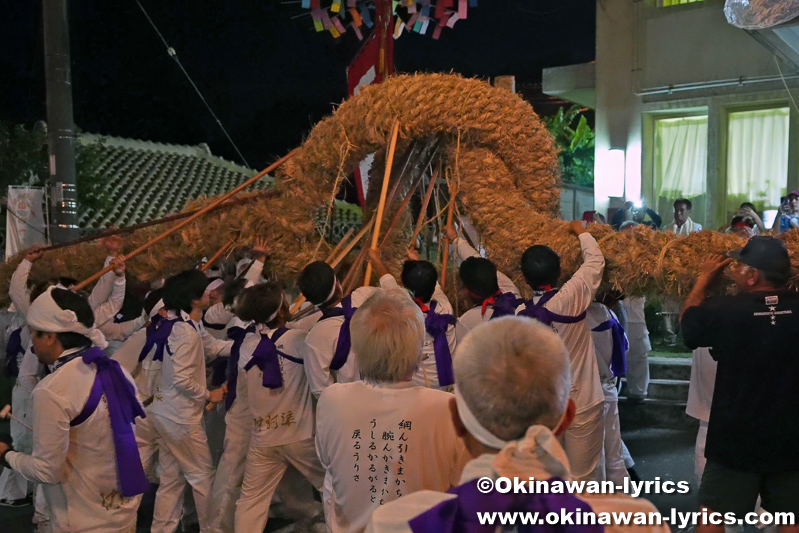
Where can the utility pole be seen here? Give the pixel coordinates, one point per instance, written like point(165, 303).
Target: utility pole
point(60, 124)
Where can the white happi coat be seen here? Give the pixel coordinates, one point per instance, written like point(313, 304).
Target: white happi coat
point(573, 298)
point(378, 442)
point(538, 455)
point(278, 416)
point(76, 465)
point(321, 341)
point(427, 374)
point(474, 317)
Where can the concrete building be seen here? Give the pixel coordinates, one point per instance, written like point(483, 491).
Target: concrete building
point(688, 105)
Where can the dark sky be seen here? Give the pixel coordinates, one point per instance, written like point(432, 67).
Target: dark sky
point(265, 72)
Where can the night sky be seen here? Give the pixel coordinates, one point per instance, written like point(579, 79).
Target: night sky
point(266, 73)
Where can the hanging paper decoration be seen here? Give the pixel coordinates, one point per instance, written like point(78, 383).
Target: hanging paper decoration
point(417, 16)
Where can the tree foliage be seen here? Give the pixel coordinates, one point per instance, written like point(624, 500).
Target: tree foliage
point(24, 161)
point(576, 143)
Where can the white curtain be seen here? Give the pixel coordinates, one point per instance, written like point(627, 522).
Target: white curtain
point(757, 156)
point(681, 157)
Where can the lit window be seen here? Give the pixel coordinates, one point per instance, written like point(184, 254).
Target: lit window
point(681, 164)
point(757, 158)
point(669, 3)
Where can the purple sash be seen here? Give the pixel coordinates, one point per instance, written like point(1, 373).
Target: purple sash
point(505, 304)
point(436, 325)
point(459, 515)
point(13, 349)
point(236, 334)
point(618, 359)
point(265, 358)
point(344, 342)
point(537, 311)
point(123, 409)
point(158, 333)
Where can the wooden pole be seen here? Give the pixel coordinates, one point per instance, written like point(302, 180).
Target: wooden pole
point(453, 193)
point(383, 192)
point(425, 203)
point(189, 220)
point(398, 214)
point(352, 275)
point(217, 255)
point(165, 220)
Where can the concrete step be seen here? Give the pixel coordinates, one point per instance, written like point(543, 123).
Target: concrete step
point(652, 413)
point(677, 368)
point(663, 389)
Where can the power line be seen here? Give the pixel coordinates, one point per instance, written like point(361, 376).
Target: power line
point(174, 55)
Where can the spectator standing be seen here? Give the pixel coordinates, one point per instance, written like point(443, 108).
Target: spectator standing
point(753, 428)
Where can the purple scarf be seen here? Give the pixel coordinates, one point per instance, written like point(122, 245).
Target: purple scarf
point(459, 515)
point(618, 359)
point(236, 334)
point(123, 409)
point(504, 304)
point(436, 325)
point(265, 358)
point(537, 311)
point(13, 349)
point(158, 333)
point(344, 342)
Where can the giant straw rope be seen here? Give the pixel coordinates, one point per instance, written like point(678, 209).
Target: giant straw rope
point(497, 150)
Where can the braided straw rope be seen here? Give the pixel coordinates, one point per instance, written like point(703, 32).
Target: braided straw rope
point(493, 143)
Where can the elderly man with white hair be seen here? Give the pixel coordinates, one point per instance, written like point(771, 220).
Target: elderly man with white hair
point(84, 451)
point(384, 437)
point(511, 402)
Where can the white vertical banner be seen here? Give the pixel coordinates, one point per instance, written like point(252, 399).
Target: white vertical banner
point(24, 219)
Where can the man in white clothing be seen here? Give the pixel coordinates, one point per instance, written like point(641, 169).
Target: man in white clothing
point(84, 452)
point(420, 279)
point(491, 293)
point(329, 357)
point(178, 405)
point(564, 309)
point(611, 345)
point(511, 402)
point(279, 402)
point(700, 398)
point(105, 300)
point(384, 437)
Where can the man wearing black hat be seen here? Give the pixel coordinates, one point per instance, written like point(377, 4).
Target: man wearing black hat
point(753, 427)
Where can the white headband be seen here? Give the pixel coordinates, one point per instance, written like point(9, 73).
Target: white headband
point(332, 291)
point(474, 427)
point(214, 285)
point(274, 315)
point(157, 307)
point(45, 315)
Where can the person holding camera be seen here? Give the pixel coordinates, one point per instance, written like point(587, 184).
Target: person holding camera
point(788, 214)
point(637, 215)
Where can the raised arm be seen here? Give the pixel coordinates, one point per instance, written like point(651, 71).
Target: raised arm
point(466, 251)
point(256, 270)
point(18, 289)
point(107, 310)
point(577, 294)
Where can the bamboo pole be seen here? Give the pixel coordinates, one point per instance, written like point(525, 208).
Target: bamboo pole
point(383, 192)
point(453, 193)
point(189, 220)
point(398, 214)
point(352, 275)
point(425, 203)
point(271, 193)
point(214, 258)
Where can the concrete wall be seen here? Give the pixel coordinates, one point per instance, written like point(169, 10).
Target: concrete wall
point(655, 62)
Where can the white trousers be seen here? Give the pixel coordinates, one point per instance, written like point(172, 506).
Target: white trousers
point(262, 473)
point(147, 442)
point(13, 486)
point(184, 456)
point(583, 443)
point(227, 481)
point(612, 459)
point(638, 360)
point(699, 453)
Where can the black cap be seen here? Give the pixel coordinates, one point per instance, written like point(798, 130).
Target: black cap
point(767, 254)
